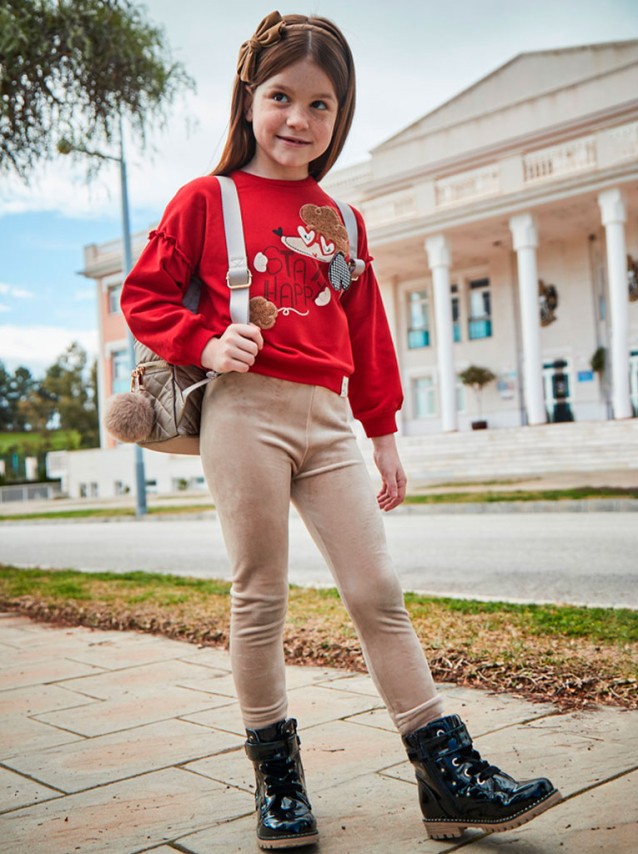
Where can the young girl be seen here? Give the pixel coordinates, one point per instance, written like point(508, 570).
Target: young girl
point(275, 424)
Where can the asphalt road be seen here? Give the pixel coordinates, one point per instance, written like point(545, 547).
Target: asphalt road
point(579, 558)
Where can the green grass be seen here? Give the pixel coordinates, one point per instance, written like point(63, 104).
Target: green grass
point(576, 494)
point(105, 512)
point(32, 443)
point(612, 625)
point(568, 655)
point(580, 494)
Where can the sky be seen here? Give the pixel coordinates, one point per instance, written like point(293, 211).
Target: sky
point(411, 56)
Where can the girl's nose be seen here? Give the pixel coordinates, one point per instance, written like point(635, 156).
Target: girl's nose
point(297, 117)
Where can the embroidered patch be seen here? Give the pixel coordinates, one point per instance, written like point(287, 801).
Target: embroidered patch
point(263, 313)
point(339, 274)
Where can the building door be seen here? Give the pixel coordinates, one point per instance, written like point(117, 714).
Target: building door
point(633, 380)
point(557, 388)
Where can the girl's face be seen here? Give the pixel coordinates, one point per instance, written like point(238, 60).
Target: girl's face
point(293, 115)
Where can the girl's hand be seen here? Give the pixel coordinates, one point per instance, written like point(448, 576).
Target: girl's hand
point(394, 481)
point(235, 350)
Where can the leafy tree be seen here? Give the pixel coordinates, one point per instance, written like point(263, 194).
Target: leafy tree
point(72, 68)
point(477, 378)
point(5, 410)
point(14, 388)
point(66, 399)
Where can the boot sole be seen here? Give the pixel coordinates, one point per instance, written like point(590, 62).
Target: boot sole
point(288, 842)
point(454, 829)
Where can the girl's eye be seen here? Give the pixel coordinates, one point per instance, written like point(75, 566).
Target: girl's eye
point(320, 105)
point(280, 97)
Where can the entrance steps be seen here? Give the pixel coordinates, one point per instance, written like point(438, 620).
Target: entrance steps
point(520, 452)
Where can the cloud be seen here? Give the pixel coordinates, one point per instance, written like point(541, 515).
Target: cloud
point(4, 307)
point(37, 347)
point(16, 293)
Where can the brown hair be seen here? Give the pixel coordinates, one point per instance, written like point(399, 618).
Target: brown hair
point(314, 38)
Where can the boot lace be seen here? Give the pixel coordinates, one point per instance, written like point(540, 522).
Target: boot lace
point(466, 755)
point(281, 777)
point(476, 766)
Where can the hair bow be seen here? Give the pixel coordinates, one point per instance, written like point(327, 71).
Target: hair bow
point(267, 33)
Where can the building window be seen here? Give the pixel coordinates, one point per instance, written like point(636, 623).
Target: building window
point(114, 294)
point(423, 397)
point(480, 319)
point(419, 320)
point(120, 371)
point(456, 314)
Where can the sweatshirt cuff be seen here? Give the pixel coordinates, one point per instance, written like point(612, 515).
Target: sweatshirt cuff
point(379, 425)
point(194, 346)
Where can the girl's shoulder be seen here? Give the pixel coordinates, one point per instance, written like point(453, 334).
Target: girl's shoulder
point(205, 187)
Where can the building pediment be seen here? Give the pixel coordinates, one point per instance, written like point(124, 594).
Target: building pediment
point(528, 77)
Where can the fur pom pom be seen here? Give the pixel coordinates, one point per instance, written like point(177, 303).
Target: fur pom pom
point(129, 417)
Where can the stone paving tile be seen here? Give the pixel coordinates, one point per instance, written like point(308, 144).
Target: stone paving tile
point(108, 758)
point(369, 814)
point(32, 633)
point(296, 677)
point(209, 656)
point(43, 672)
point(18, 791)
point(37, 654)
point(37, 699)
point(358, 683)
point(163, 849)
point(122, 817)
point(142, 680)
point(114, 656)
point(133, 710)
point(311, 705)
point(5, 650)
point(481, 712)
point(215, 682)
point(603, 820)
point(20, 735)
point(331, 752)
point(13, 639)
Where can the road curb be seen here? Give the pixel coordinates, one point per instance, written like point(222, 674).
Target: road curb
point(585, 505)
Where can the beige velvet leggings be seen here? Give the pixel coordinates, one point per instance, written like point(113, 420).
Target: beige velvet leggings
point(264, 443)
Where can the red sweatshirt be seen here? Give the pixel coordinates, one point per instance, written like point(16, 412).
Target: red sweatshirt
point(326, 332)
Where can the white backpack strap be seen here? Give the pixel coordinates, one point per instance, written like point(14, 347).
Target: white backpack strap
point(357, 266)
point(238, 277)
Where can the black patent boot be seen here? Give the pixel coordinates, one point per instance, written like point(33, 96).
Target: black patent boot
point(458, 789)
point(284, 817)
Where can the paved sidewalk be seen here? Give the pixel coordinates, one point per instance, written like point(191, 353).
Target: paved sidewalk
point(121, 742)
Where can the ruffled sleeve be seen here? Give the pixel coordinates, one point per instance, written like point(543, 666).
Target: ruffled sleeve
point(375, 391)
point(153, 293)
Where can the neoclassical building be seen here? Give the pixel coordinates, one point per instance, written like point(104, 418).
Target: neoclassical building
point(501, 224)
point(504, 226)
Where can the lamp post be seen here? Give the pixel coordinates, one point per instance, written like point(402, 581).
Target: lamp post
point(65, 147)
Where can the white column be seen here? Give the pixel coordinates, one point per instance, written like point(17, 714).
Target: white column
point(613, 215)
point(525, 243)
point(439, 260)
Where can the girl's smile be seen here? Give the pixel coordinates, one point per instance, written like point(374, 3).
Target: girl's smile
point(293, 115)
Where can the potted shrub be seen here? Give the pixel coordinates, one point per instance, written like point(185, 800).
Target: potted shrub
point(477, 378)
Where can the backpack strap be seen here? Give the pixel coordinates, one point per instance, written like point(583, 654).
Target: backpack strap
point(357, 265)
point(238, 277)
